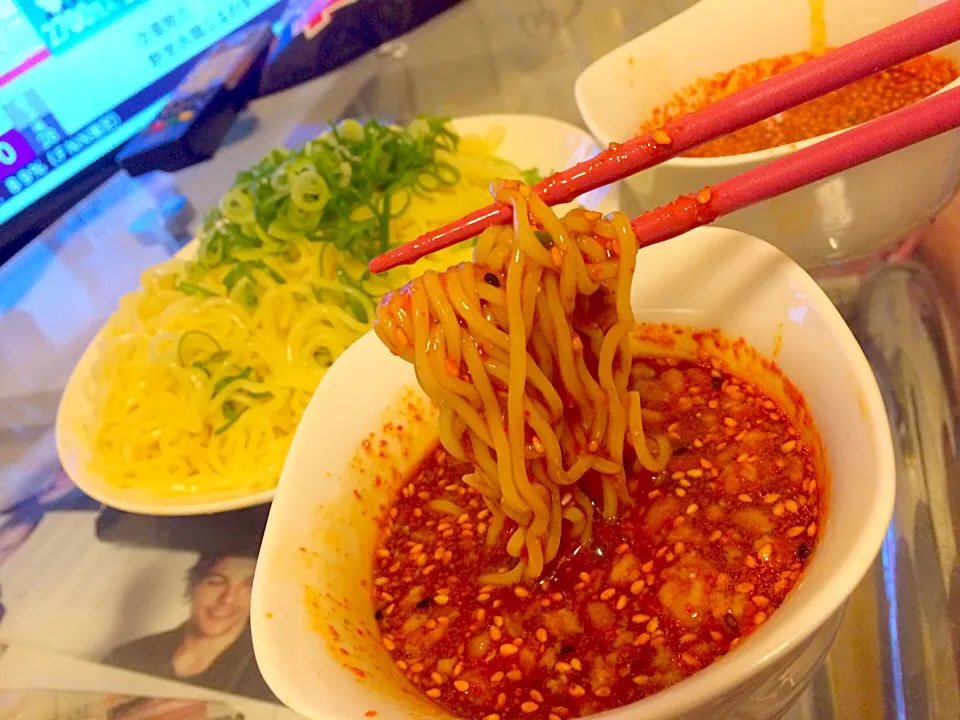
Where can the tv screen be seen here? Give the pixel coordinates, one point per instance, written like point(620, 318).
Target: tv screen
point(78, 78)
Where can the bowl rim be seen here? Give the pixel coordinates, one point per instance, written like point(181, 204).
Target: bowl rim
point(727, 673)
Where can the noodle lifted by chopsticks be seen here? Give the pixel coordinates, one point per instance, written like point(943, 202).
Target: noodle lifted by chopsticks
point(526, 353)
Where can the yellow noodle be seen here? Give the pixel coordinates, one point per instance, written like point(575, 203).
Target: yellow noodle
point(538, 413)
point(155, 423)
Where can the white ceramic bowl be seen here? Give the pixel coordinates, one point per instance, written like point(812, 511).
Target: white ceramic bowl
point(529, 141)
point(860, 212)
point(314, 572)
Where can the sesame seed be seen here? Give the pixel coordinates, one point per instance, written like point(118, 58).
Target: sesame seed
point(492, 716)
point(642, 639)
point(507, 650)
point(529, 707)
point(796, 530)
point(514, 675)
point(497, 676)
point(575, 664)
point(388, 644)
point(743, 497)
point(792, 506)
point(621, 602)
point(521, 592)
point(433, 692)
point(541, 635)
point(680, 492)
point(536, 696)
point(562, 667)
point(636, 587)
point(653, 625)
point(607, 594)
point(778, 510)
point(441, 599)
point(771, 498)
point(577, 691)
point(661, 137)
point(641, 679)
point(692, 508)
point(495, 633)
point(759, 618)
point(812, 529)
point(602, 691)
point(788, 446)
point(461, 685)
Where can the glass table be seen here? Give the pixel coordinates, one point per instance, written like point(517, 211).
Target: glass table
point(898, 651)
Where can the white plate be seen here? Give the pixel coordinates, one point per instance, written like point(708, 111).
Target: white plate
point(529, 141)
point(314, 569)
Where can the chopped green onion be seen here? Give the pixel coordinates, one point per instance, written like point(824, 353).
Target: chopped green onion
point(544, 238)
point(198, 342)
point(231, 413)
point(531, 176)
point(223, 382)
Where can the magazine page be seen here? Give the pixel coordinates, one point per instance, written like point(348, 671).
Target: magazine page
point(48, 705)
point(169, 597)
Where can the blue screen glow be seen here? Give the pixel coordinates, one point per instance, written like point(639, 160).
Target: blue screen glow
point(80, 77)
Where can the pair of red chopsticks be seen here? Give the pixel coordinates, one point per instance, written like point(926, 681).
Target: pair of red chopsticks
point(891, 46)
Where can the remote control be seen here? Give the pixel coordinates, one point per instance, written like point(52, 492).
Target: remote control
point(192, 125)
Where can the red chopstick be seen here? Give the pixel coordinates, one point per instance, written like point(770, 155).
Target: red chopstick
point(918, 34)
point(861, 144)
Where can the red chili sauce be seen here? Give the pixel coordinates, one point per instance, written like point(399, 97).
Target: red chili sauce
point(709, 549)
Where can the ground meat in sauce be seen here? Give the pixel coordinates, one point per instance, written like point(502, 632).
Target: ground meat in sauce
point(709, 549)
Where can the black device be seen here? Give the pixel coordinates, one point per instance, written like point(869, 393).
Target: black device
point(192, 125)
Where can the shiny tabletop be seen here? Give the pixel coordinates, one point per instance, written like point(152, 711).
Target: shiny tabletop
point(898, 652)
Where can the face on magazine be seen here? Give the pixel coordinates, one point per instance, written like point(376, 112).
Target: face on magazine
point(221, 598)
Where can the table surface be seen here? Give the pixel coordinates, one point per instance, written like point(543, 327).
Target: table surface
point(898, 653)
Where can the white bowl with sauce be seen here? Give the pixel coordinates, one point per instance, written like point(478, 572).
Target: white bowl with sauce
point(368, 424)
point(854, 215)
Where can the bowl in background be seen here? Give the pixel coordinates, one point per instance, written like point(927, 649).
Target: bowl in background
point(529, 141)
point(853, 215)
point(368, 424)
